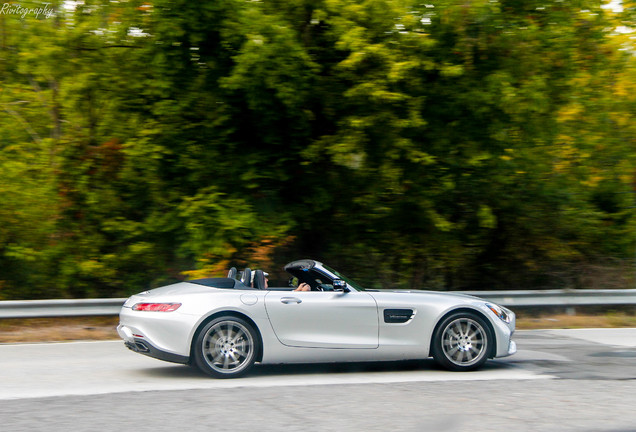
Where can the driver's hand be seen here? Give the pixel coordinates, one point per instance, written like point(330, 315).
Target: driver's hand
point(303, 287)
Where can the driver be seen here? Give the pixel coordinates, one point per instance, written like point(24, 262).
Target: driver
point(302, 287)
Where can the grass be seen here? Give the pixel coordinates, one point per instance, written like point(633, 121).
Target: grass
point(103, 328)
point(58, 329)
point(564, 321)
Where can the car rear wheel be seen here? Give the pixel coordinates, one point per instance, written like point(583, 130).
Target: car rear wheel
point(226, 347)
point(461, 342)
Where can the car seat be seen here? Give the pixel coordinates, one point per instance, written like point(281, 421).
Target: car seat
point(246, 277)
point(259, 279)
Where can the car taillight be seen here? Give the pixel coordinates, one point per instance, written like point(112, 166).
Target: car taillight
point(156, 307)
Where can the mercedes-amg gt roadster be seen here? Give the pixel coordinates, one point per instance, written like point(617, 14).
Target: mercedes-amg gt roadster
point(225, 325)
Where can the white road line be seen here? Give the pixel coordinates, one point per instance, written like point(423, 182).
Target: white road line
point(92, 368)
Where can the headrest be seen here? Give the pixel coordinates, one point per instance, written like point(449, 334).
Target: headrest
point(259, 279)
point(246, 278)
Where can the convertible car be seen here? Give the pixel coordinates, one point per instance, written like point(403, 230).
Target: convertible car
point(225, 325)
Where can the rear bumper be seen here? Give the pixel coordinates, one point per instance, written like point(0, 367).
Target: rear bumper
point(142, 346)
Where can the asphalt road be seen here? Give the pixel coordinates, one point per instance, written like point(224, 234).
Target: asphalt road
point(560, 380)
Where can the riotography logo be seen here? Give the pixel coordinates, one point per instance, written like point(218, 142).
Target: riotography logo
point(16, 9)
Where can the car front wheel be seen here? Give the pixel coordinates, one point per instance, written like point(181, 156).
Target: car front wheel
point(226, 347)
point(462, 342)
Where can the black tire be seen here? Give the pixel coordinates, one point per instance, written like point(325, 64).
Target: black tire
point(226, 347)
point(462, 342)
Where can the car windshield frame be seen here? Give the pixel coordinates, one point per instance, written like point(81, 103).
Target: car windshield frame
point(355, 285)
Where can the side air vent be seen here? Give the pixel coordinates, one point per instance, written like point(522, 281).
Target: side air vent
point(397, 316)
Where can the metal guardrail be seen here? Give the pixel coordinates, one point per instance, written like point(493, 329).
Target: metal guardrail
point(558, 298)
point(512, 299)
point(60, 308)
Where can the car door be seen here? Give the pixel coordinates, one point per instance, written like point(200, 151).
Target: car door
point(323, 319)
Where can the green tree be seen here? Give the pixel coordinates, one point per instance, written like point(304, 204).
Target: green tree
point(482, 144)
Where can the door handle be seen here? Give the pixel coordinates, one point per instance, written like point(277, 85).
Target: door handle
point(288, 300)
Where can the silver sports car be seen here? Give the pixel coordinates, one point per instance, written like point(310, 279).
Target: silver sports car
point(225, 325)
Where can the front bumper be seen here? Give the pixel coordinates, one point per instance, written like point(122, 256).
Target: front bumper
point(513, 348)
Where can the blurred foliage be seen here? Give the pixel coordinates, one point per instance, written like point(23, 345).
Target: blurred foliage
point(443, 144)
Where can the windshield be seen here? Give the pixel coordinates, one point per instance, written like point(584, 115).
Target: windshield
point(350, 282)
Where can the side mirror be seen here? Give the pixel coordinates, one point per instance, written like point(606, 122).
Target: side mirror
point(340, 285)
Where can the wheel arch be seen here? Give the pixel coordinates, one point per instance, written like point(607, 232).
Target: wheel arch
point(232, 313)
point(480, 314)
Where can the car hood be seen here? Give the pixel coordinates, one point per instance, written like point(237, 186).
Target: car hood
point(422, 292)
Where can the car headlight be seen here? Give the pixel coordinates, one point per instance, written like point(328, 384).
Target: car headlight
point(500, 312)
